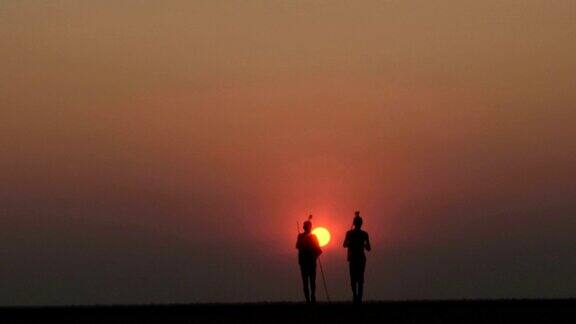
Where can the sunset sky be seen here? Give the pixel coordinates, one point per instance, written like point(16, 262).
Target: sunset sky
point(163, 151)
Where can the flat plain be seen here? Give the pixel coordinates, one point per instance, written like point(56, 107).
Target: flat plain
point(461, 311)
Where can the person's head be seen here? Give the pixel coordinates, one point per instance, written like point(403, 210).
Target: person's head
point(357, 222)
point(307, 226)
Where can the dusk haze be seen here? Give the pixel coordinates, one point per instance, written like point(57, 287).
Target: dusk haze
point(157, 152)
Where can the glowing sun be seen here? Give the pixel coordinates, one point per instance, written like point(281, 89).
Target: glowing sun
point(322, 234)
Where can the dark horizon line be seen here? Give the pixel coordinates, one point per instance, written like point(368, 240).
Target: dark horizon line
point(290, 303)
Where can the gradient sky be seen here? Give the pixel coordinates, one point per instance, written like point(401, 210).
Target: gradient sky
point(156, 152)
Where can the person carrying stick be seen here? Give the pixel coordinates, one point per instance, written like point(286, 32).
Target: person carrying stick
point(308, 252)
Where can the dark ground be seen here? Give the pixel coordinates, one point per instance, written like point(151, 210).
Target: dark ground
point(467, 311)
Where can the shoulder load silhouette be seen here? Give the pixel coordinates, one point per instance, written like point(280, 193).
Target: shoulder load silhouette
point(308, 251)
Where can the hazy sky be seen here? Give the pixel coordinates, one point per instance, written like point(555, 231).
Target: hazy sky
point(163, 151)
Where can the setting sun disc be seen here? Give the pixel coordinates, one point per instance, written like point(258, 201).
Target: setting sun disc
point(322, 234)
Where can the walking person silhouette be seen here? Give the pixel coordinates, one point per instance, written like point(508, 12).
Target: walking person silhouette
point(357, 241)
point(308, 251)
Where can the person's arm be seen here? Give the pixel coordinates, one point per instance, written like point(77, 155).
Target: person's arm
point(317, 248)
point(298, 243)
point(367, 243)
point(346, 240)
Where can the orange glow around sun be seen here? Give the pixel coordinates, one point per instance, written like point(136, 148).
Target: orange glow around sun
point(322, 234)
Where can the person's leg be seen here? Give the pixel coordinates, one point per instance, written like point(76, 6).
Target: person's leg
point(305, 283)
point(360, 292)
point(352, 280)
point(313, 284)
point(361, 268)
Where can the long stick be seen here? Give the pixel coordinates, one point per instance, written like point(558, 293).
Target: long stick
point(324, 280)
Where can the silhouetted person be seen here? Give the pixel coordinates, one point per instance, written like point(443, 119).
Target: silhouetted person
point(357, 241)
point(308, 252)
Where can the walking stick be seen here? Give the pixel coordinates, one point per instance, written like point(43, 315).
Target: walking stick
point(324, 280)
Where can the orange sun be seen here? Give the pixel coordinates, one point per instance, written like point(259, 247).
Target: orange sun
point(322, 234)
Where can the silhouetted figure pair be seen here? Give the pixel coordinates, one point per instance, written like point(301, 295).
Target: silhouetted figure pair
point(308, 251)
point(357, 241)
